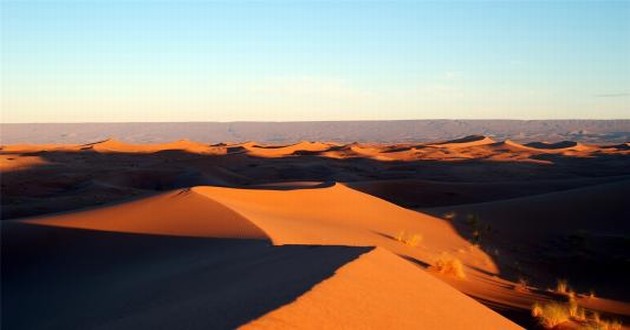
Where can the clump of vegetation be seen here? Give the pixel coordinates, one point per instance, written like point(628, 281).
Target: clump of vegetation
point(562, 287)
point(412, 240)
point(575, 311)
point(449, 265)
point(595, 317)
point(596, 323)
point(551, 314)
point(615, 325)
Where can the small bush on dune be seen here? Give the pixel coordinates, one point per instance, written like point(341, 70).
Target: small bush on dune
point(562, 287)
point(412, 240)
point(595, 317)
point(537, 310)
point(551, 314)
point(602, 325)
point(575, 311)
point(615, 325)
point(449, 265)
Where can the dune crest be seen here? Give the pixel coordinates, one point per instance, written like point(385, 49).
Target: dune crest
point(303, 147)
point(468, 141)
point(177, 213)
point(313, 216)
point(394, 294)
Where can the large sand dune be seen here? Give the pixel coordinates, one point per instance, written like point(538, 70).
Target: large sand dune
point(316, 216)
point(308, 235)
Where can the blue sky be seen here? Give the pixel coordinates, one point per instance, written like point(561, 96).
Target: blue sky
point(80, 61)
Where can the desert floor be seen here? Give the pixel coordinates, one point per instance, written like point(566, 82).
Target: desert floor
point(462, 234)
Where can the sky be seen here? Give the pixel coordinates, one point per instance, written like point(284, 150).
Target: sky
point(121, 61)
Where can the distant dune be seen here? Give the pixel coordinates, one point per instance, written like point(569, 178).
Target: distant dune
point(312, 234)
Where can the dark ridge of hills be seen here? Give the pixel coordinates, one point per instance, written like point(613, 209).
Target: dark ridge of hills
point(523, 131)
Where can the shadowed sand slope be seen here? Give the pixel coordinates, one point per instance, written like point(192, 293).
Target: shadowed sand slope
point(330, 215)
point(338, 215)
point(468, 141)
point(381, 291)
point(179, 213)
point(61, 278)
point(257, 239)
point(578, 234)
point(558, 212)
point(282, 151)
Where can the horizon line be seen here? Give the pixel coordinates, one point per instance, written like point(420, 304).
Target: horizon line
point(315, 121)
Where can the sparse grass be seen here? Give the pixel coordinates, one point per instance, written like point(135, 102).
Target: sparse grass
point(595, 317)
point(615, 325)
point(449, 265)
point(562, 287)
point(601, 325)
point(551, 314)
point(575, 311)
point(412, 240)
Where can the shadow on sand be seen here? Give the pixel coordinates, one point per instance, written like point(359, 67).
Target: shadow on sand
point(60, 278)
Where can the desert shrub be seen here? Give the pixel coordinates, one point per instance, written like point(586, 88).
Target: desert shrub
point(537, 309)
point(449, 265)
point(595, 317)
point(412, 240)
point(575, 311)
point(615, 325)
point(551, 314)
point(562, 287)
point(601, 325)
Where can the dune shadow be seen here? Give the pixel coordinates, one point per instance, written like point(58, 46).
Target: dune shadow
point(60, 278)
point(69, 180)
point(289, 185)
point(415, 261)
point(520, 316)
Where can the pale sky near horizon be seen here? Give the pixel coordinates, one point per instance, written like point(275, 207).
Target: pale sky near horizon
point(118, 61)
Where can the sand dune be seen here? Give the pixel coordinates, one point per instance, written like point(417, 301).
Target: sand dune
point(468, 141)
point(556, 226)
point(555, 146)
point(113, 145)
point(188, 225)
point(328, 216)
point(179, 213)
point(63, 278)
point(570, 210)
point(288, 150)
point(381, 291)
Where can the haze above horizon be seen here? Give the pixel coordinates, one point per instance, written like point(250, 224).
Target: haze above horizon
point(119, 61)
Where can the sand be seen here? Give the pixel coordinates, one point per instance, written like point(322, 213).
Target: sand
point(308, 235)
